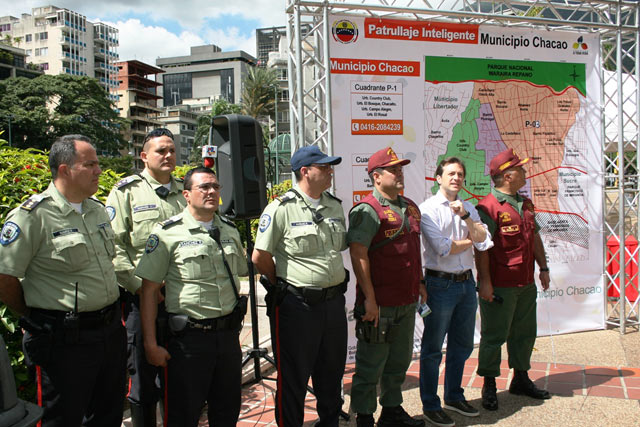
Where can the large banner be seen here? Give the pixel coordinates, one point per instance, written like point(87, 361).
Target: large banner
point(431, 90)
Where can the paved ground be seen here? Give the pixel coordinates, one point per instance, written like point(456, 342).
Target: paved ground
point(594, 378)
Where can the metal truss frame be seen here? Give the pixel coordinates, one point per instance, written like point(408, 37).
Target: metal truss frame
point(617, 22)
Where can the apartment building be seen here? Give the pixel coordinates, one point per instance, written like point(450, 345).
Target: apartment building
point(62, 41)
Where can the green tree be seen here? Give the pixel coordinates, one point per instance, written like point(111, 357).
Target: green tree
point(47, 107)
point(221, 106)
point(119, 164)
point(258, 94)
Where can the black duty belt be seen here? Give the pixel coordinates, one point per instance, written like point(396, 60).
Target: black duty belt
point(313, 295)
point(216, 324)
point(87, 319)
point(456, 277)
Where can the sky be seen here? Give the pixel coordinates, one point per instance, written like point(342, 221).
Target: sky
point(164, 28)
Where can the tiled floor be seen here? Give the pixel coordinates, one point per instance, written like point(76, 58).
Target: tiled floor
point(559, 379)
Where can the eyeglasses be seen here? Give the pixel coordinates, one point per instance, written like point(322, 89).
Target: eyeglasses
point(158, 132)
point(205, 188)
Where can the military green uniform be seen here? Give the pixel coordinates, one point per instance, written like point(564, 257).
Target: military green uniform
point(135, 208)
point(206, 360)
point(386, 362)
point(310, 338)
point(514, 321)
point(80, 362)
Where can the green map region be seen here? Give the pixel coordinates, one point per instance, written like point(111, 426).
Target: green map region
point(557, 75)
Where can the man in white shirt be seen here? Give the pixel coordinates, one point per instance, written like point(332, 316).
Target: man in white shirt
point(450, 227)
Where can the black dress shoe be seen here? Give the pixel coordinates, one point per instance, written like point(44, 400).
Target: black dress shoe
point(397, 417)
point(489, 398)
point(522, 385)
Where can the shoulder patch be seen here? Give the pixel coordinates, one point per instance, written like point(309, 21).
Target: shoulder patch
point(332, 196)
point(289, 195)
point(172, 220)
point(265, 222)
point(227, 221)
point(111, 211)
point(33, 201)
point(9, 233)
point(152, 243)
point(126, 181)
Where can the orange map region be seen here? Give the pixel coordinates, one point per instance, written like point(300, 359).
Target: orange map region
point(534, 121)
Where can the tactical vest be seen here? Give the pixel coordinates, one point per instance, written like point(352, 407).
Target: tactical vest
point(395, 266)
point(511, 258)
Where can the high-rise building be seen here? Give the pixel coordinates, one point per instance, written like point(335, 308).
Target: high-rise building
point(206, 73)
point(61, 41)
point(138, 102)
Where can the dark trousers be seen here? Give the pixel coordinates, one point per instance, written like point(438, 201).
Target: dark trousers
point(513, 322)
point(81, 383)
point(309, 342)
point(144, 378)
point(205, 366)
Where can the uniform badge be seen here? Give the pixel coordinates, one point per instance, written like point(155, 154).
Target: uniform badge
point(9, 233)
point(510, 228)
point(505, 217)
point(152, 243)
point(391, 215)
point(111, 211)
point(265, 222)
point(414, 212)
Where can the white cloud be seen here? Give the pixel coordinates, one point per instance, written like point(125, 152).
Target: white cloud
point(231, 39)
point(146, 43)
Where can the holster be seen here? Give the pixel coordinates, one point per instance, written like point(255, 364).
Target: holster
point(177, 323)
point(38, 341)
point(275, 293)
point(368, 332)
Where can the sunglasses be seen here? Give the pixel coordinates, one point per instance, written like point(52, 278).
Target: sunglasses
point(158, 132)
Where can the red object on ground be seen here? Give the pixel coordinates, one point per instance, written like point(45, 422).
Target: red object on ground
point(631, 268)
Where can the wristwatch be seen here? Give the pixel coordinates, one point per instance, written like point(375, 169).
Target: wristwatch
point(544, 269)
point(465, 216)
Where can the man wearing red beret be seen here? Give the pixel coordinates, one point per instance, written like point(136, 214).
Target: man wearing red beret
point(506, 271)
point(384, 243)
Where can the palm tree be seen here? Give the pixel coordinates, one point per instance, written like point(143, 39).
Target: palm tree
point(258, 98)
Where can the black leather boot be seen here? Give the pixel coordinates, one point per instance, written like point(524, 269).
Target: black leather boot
point(143, 415)
point(522, 385)
point(489, 398)
point(364, 420)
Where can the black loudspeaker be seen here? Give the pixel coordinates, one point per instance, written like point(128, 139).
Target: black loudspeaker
point(240, 165)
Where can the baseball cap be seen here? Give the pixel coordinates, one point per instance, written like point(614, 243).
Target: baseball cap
point(384, 158)
point(505, 160)
point(306, 156)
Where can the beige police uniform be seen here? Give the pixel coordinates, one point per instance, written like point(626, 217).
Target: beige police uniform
point(305, 253)
point(309, 339)
point(206, 360)
point(135, 209)
point(51, 246)
point(80, 358)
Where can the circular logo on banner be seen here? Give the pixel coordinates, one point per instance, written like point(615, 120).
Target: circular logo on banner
point(265, 221)
point(152, 243)
point(9, 233)
point(344, 31)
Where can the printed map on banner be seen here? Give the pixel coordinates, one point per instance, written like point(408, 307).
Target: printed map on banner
point(475, 108)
